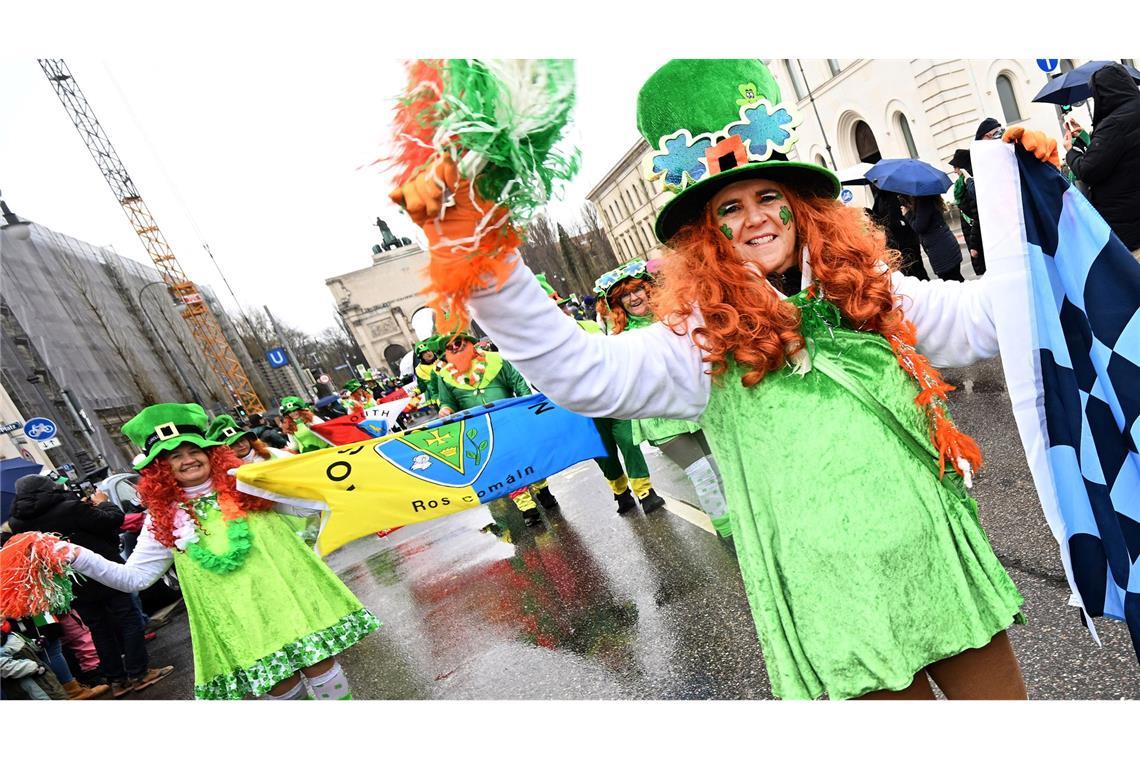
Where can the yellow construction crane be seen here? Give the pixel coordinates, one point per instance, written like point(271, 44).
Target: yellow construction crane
point(217, 350)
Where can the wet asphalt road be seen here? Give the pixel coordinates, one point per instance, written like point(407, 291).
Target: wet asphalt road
point(598, 606)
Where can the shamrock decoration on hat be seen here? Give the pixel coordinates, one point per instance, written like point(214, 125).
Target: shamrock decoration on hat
point(715, 122)
point(165, 427)
point(635, 268)
point(224, 429)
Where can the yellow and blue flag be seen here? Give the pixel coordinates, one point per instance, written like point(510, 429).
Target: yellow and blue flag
point(442, 468)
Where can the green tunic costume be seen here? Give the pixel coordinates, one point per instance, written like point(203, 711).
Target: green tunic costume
point(852, 599)
point(282, 610)
point(500, 380)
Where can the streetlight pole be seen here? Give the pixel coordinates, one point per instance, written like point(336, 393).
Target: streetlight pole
point(177, 367)
point(818, 120)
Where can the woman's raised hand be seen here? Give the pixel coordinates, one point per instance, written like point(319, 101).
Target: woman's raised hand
point(1036, 142)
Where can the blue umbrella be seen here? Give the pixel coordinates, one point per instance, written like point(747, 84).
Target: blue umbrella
point(1073, 86)
point(908, 176)
point(12, 470)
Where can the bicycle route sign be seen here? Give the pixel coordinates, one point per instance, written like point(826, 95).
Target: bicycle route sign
point(40, 429)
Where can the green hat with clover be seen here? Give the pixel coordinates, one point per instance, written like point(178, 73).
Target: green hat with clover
point(630, 269)
point(292, 404)
point(224, 429)
point(165, 427)
point(712, 122)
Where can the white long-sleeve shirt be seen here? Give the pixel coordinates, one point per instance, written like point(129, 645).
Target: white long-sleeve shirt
point(654, 372)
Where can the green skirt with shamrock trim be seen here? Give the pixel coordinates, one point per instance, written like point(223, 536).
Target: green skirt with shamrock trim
point(282, 610)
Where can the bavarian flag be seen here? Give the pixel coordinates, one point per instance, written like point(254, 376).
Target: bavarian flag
point(1066, 309)
point(442, 468)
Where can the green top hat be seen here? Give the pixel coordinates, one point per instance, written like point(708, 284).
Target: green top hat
point(292, 404)
point(635, 268)
point(165, 427)
point(353, 385)
point(715, 122)
point(224, 429)
point(445, 339)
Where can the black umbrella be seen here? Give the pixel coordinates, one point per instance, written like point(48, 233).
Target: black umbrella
point(1073, 86)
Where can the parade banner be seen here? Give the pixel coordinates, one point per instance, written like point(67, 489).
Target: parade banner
point(1067, 312)
point(361, 424)
point(445, 467)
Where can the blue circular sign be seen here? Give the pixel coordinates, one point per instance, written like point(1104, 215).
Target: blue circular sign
point(1047, 64)
point(846, 196)
point(40, 429)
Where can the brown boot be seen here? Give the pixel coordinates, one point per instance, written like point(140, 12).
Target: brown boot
point(154, 675)
point(75, 690)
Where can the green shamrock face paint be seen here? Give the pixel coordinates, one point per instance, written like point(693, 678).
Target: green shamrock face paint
point(722, 211)
point(785, 215)
point(726, 231)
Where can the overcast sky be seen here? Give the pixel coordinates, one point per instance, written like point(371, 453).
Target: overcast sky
point(262, 157)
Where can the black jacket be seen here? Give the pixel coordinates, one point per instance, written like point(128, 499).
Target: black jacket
point(900, 236)
point(41, 505)
point(971, 230)
point(939, 242)
point(1110, 166)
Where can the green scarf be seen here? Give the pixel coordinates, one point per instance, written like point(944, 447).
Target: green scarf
point(960, 195)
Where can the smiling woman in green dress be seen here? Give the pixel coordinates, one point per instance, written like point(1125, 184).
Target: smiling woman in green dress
point(788, 334)
point(266, 615)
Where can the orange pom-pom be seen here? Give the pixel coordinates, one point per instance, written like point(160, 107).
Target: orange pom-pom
point(34, 576)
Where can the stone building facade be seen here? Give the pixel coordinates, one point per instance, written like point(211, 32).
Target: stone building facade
point(377, 303)
point(868, 109)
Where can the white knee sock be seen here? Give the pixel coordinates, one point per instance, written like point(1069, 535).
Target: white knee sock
point(297, 692)
point(331, 684)
point(705, 481)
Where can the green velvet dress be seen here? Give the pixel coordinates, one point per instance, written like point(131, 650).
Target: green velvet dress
point(860, 566)
point(282, 610)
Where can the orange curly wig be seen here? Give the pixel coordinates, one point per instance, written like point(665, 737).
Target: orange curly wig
point(289, 425)
point(610, 308)
point(747, 321)
point(162, 496)
point(745, 318)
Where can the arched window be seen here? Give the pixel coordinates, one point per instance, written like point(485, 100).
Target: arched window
point(1008, 100)
point(798, 83)
point(819, 159)
point(865, 143)
point(908, 138)
point(833, 64)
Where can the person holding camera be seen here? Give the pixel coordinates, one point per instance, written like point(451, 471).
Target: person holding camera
point(1109, 163)
point(116, 627)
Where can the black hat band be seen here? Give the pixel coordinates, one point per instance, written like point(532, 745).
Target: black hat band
point(168, 430)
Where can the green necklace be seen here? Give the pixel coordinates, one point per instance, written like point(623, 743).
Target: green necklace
point(237, 534)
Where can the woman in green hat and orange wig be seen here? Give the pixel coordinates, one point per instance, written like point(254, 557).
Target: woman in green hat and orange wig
point(266, 615)
point(624, 302)
point(296, 417)
point(788, 335)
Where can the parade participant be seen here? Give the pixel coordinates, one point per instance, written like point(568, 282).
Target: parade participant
point(864, 562)
point(266, 615)
point(624, 295)
point(358, 396)
point(427, 362)
point(470, 377)
point(296, 417)
point(617, 436)
point(244, 443)
point(249, 448)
